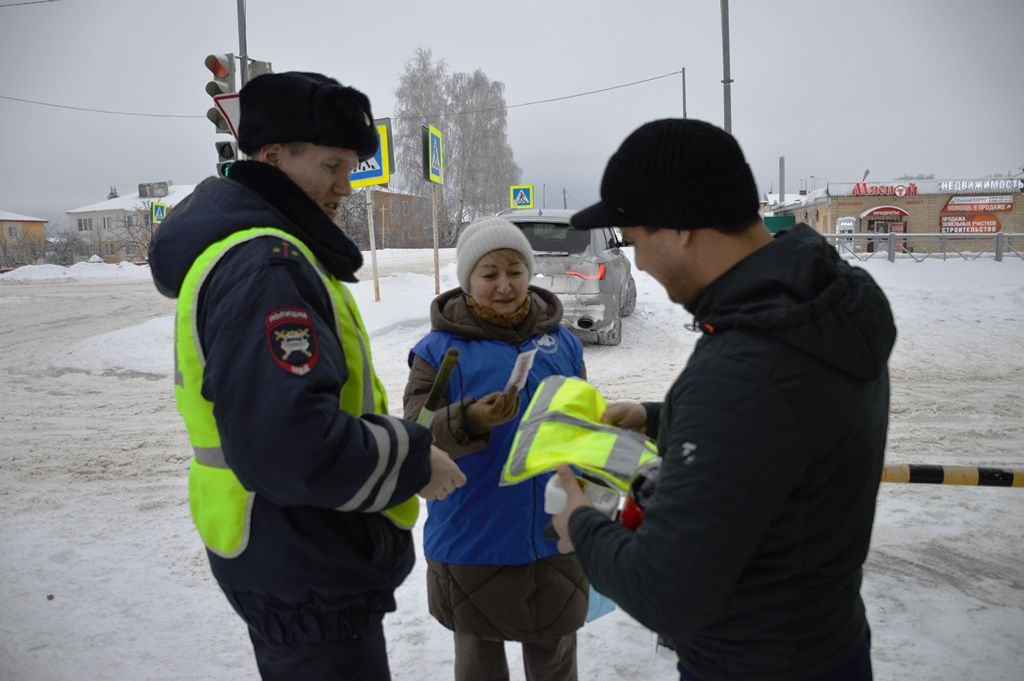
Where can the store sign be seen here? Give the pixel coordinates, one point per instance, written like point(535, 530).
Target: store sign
point(992, 185)
point(986, 185)
point(978, 204)
point(866, 189)
point(885, 212)
point(975, 223)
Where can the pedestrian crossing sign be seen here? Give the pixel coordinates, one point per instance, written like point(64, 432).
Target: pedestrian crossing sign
point(376, 169)
point(159, 212)
point(520, 196)
point(433, 155)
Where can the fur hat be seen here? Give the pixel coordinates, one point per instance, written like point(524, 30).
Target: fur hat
point(677, 173)
point(277, 108)
point(486, 235)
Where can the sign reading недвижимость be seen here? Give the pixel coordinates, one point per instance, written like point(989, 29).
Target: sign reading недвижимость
point(916, 187)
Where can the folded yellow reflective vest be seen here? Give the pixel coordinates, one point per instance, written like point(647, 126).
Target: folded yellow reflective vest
point(562, 425)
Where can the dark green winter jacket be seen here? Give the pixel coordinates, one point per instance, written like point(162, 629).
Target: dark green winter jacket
point(749, 557)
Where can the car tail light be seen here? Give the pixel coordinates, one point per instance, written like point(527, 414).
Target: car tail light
point(588, 275)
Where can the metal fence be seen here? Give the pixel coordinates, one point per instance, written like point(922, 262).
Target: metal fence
point(920, 246)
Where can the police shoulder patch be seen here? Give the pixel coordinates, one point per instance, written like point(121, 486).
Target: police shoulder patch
point(291, 339)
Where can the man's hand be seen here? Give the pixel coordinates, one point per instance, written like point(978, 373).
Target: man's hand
point(626, 415)
point(445, 476)
point(494, 409)
point(574, 498)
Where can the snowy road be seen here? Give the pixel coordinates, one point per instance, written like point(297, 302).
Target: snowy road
point(93, 508)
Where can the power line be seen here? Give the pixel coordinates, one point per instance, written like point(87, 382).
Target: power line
point(105, 111)
point(545, 101)
point(456, 113)
point(34, 2)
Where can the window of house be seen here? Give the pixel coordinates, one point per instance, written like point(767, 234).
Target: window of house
point(108, 223)
point(110, 249)
point(130, 250)
point(12, 230)
point(84, 224)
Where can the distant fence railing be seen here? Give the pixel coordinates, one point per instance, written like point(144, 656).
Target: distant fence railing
point(922, 245)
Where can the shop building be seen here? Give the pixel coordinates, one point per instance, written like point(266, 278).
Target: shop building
point(963, 210)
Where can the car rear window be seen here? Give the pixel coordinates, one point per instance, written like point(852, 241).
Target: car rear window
point(548, 237)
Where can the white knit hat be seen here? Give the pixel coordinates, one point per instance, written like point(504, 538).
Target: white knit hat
point(486, 235)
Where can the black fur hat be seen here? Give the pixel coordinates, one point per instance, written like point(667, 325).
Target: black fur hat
point(295, 106)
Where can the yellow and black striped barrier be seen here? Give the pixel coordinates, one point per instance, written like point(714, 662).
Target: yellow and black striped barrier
point(953, 475)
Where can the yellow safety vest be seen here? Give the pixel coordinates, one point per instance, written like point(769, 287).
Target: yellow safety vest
point(562, 425)
point(221, 506)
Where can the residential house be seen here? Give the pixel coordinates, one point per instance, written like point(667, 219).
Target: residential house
point(22, 239)
point(121, 227)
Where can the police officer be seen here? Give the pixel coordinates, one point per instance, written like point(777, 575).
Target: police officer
point(301, 486)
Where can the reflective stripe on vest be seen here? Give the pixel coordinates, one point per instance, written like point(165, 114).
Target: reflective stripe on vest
point(221, 507)
point(561, 425)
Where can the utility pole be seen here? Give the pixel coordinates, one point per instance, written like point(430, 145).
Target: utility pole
point(782, 180)
point(684, 92)
point(726, 80)
point(243, 56)
point(565, 201)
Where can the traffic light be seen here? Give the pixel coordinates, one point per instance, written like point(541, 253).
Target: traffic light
point(227, 153)
point(222, 66)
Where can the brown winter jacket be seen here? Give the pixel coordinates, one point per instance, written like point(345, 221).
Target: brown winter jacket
point(541, 600)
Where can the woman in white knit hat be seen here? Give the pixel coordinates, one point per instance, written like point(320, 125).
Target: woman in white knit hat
point(492, 575)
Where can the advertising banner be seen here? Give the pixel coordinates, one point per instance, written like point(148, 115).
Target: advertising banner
point(969, 223)
point(978, 204)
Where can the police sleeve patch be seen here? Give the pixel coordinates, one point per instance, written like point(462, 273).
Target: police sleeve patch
point(291, 339)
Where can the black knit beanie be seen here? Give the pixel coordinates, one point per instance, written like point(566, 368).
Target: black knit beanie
point(295, 106)
point(674, 173)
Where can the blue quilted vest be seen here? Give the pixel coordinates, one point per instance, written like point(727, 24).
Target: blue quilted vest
point(482, 523)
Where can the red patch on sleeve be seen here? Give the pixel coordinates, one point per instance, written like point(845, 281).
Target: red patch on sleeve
point(291, 339)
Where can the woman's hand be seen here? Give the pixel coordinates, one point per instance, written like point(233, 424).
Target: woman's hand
point(493, 410)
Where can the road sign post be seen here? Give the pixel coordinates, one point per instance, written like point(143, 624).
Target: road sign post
point(433, 172)
point(375, 170)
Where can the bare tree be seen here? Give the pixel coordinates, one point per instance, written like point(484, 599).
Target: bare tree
point(471, 112)
point(63, 246)
point(351, 218)
point(134, 231)
point(420, 100)
point(478, 156)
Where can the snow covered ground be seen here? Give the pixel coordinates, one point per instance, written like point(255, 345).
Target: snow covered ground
point(102, 576)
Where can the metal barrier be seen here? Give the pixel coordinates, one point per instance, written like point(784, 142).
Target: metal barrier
point(953, 475)
point(922, 245)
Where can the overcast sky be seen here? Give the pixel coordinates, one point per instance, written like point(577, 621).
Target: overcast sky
point(835, 87)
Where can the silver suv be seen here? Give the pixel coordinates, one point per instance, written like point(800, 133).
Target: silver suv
point(586, 269)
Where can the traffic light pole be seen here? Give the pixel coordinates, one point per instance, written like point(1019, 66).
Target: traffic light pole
point(243, 55)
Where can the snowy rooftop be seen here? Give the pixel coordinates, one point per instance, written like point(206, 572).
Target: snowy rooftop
point(175, 193)
point(7, 216)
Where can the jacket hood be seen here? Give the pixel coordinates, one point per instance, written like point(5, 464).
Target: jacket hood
point(451, 313)
point(799, 291)
point(255, 195)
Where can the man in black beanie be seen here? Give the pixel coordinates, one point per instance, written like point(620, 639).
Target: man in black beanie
point(772, 438)
point(302, 488)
